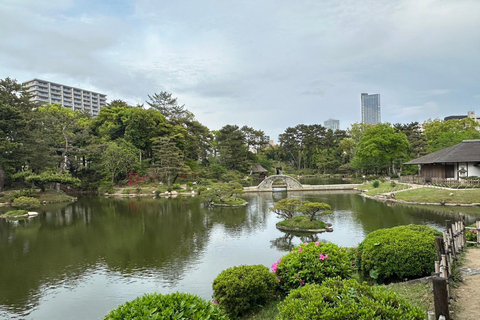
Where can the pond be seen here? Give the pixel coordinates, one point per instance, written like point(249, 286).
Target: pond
point(80, 260)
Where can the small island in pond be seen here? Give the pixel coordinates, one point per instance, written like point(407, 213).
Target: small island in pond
point(301, 215)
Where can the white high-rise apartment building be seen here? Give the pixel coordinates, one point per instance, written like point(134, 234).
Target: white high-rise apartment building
point(70, 97)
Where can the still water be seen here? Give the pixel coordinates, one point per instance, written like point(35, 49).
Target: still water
point(80, 260)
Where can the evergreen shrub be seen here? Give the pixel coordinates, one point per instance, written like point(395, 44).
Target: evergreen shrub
point(398, 253)
point(24, 193)
point(25, 203)
point(170, 306)
point(240, 289)
point(337, 299)
point(312, 263)
point(376, 184)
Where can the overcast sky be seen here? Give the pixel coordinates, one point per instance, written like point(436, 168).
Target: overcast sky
point(266, 64)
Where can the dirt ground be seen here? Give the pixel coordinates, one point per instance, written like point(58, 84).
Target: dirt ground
point(467, 295)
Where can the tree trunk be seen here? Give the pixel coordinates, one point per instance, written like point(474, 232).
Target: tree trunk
point(2, 177)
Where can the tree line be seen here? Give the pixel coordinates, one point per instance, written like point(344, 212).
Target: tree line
point(42, 144)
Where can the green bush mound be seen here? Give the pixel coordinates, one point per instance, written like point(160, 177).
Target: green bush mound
point(312, 263)
point(347, 300)
point(240, 289)
point(25, 203)
point(302, 222)
point(15, 213)
point(170, 306)
point(24, 193)
point(398, 253)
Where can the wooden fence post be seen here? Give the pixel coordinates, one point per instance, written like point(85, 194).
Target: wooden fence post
point(440, 297)
point(478, 233)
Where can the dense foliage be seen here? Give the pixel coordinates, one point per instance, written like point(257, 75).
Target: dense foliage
point(240, 289)
point(345, 300)
point(166, 142)
point(312, 263)
point(398, 253)
point(25, 203)
point(170, 306)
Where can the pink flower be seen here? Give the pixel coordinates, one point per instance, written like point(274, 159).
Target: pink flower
point(321, 257)
point(300, 249)
point(316, 243)
point(306, 243)
point(302, 282)
point(278, 278)
point(326, 256)
point(215, 302)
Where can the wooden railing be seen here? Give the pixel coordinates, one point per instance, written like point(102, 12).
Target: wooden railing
point(448, 248)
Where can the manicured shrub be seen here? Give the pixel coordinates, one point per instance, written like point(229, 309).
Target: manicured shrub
point(24, 193)
point(312, 263)
point(25, 203)
point(170, 306)
point(240, 289)
point(376, 184)
point(398, 253)
point(347, 300)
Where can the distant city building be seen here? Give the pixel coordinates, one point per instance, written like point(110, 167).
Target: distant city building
point(470, 114)
point(332, 124)
point(73, 98)
point(370, 108)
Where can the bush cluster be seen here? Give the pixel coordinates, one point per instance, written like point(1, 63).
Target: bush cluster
point(376, 184)
point(25, 203)
point(170, 306)
point(240, 289)
point(398, 253)
point(312, 263)
point(471, 234)
point(347, 300)
point(24, 193)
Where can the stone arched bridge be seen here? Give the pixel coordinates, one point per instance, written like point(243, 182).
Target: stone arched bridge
point(291, 183)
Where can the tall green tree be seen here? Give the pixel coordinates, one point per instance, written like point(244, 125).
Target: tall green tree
point(232, 147)
point(118, 159)
point(168, 159)
point(169, 108)
point(15, 110)
point(442, 134)
point(415, 136)
point(380, 149)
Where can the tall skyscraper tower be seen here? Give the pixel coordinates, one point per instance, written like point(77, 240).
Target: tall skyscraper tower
point(370, 108)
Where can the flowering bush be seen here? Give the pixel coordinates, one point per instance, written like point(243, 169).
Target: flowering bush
point(311, 263)
point(398, 253)
point(471, 234)
point(347, 300)
point(169, 306)
point(240, 289)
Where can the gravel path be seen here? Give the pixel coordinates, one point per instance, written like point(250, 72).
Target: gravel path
point(467, 295)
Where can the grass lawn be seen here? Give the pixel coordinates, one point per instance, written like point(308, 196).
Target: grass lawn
point(384, 187)
point(53, 196)
point(435, 195)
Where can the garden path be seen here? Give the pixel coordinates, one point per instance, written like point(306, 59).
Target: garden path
point(467, 295)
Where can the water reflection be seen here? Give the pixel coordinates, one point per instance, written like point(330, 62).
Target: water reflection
point(101, 252)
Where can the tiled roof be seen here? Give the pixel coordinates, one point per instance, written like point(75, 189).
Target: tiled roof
point(466, 151)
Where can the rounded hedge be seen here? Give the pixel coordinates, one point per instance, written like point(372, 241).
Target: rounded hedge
point(347, 300)
point(312, 263)
point(25, 203)
point(170, 306)
point(398, 253)
point(240, 289)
